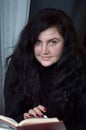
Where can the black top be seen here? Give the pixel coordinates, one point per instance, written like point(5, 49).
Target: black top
point(73, 114)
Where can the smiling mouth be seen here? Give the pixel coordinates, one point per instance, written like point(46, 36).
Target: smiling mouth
point(45, 58)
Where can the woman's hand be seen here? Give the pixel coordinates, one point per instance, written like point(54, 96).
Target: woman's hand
point(35, 112)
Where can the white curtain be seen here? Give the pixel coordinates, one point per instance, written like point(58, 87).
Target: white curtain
point(13, 17)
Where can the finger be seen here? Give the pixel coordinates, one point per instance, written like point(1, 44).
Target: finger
point(33, 113)
point(26, 116)
point(39, 113)
point(42, 108)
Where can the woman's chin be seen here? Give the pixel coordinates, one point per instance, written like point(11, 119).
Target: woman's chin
point(46, 64)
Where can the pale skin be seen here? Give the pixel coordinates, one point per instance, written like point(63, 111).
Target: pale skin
point(47, 50)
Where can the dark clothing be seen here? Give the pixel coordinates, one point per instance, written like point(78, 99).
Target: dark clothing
point(60, 103)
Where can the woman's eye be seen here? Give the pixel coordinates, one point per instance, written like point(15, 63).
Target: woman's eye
point(53, 42)
point(37, 43)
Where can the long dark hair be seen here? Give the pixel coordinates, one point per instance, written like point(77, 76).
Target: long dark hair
point(22, 74)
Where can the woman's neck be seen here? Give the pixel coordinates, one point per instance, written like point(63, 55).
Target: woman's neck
point(49, 68)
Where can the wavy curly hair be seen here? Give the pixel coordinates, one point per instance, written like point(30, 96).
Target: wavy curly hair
point(22, 76)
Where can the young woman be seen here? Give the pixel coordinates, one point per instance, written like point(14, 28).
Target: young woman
point(45, 74)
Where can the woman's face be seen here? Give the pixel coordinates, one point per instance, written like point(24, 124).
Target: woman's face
point(49, 47)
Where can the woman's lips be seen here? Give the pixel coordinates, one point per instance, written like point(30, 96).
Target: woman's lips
point(45, 58)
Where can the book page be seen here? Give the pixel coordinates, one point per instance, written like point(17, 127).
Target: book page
point(5, 127)
point(38, 121)
point(8, 121)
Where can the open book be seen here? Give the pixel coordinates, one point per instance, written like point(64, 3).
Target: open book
point(34, 123)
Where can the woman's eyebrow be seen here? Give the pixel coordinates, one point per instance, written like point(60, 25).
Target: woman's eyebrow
point(53, 39)
point(49, 39)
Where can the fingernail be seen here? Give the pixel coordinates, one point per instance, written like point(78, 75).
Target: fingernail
point(37, 115)
point(30, 114)
point(42, 115)
point(45, 109)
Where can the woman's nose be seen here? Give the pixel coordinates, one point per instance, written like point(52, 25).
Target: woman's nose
point(44, 49)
